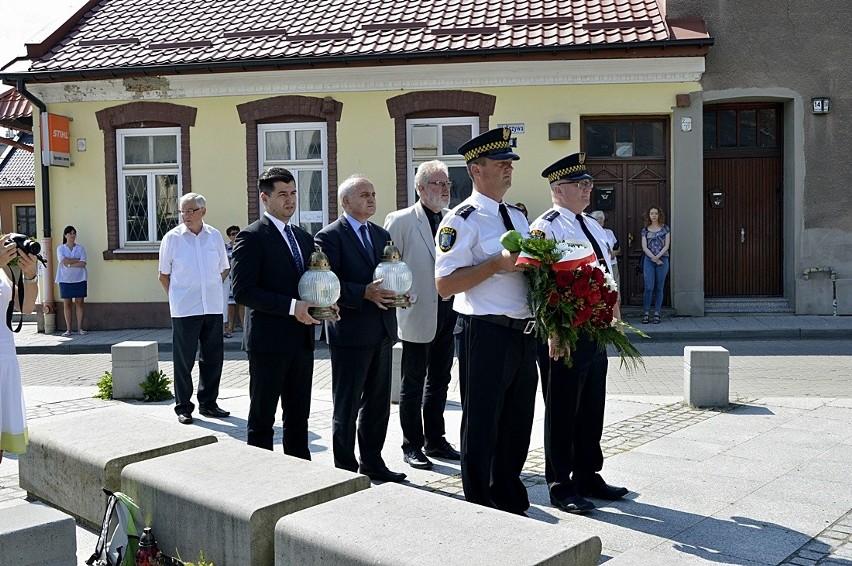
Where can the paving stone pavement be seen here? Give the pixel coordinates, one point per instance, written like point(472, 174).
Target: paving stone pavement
point(711, 485)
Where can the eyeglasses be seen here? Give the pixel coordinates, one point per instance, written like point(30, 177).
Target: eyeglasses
point(584, 184)
point(442, 184)
point(189, 211)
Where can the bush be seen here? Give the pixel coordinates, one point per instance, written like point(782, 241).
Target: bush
point(105, 387)
point(157, 387)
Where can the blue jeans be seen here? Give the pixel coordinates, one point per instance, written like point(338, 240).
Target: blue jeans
point(655, 281)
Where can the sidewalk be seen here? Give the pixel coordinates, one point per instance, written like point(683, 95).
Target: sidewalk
point(764, 482)
point(671, 329)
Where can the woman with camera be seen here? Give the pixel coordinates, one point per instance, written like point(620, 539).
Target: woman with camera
point(71, 276)
point(13, 420)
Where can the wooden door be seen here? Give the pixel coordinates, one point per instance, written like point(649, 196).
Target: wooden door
point(743, 206)
point(633, 180)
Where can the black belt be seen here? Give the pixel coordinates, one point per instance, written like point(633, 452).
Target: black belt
point(526, 325)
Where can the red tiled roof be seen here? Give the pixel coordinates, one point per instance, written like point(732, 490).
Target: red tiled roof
point(13, 106)
point(134, 33)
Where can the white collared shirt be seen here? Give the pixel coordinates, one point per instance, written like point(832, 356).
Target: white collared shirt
point(475, 239)
point(194, 264)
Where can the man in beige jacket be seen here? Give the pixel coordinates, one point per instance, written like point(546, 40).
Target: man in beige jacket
point(426, 327)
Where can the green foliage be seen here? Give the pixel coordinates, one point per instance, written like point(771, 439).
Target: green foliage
point(157, 387)
point(105, 387)
point(201, 561)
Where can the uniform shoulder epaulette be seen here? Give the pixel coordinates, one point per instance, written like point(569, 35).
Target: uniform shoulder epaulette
point(551, 216)
point(465, 211)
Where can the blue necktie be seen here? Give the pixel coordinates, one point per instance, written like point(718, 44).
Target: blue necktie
point(365, 239)
point(294, 247)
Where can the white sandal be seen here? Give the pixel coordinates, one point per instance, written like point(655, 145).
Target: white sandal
point(67, 333)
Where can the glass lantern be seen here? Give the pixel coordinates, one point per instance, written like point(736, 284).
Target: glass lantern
point(396, 275)
point(320, 285)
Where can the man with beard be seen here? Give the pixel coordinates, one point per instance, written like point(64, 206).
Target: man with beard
point(426, 327)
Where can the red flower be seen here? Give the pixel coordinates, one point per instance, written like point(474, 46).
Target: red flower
point(553, 299)
point(594, 296)
point(581, 287)
point(610, 298)
point(598, 276)
point(581, 316)
point(564, 278)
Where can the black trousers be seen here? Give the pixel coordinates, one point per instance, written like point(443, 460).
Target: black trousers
point(360, 389)
point(574, 413)
point(274, 377)
point(497, 413)
point(425, 379)
point(191, 334)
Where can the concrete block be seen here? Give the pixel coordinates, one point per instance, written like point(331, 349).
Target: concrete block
point(706, 379)
point(70, 458)
point(224, 499)
point(396, 372)
point(33, 534)
point(132, 361)
point(397, 525)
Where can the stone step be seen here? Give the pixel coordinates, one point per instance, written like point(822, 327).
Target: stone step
point(752, 305)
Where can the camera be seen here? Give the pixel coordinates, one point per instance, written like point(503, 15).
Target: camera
point(24, 243)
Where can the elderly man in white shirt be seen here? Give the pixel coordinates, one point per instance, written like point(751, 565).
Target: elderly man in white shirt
point(193, 264)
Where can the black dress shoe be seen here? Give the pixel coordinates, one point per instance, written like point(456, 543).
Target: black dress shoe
point(442, 449)
point(572, 504)
point(599, 489)
point(185, 418)
point(214, 411)
point(383, 475)
point(416, 459)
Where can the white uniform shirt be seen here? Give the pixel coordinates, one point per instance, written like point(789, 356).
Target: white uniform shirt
point(475, 239)
point(565, 226)
point(194, 264)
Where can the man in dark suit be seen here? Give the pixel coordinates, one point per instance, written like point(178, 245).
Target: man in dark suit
point(360, 342)
point(270, 256)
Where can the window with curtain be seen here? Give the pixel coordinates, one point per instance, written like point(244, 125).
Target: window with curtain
point(149, 184)
point(302, 148)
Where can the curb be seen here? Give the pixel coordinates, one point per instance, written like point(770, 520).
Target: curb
point(655, 337)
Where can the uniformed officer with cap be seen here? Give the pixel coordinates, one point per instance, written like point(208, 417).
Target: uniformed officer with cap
point(497, 354)
point(575, 396)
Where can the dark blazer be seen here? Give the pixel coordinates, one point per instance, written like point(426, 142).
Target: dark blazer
point(266, 280)
point(361, 323)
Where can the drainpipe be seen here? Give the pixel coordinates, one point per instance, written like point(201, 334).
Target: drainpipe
point(806, 273)
point(47, 303)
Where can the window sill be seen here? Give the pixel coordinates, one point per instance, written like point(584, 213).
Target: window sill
point(132, 254)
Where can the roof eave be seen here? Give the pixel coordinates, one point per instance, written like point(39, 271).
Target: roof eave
point(690, 47)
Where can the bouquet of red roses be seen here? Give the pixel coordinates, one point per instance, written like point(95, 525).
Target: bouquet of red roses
point(570, 293)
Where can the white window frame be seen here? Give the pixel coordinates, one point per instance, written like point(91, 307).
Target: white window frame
point(296, 165)
point(452, 160)
point(149, 170)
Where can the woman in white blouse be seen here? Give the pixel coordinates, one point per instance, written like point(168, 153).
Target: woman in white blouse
point(72, 277)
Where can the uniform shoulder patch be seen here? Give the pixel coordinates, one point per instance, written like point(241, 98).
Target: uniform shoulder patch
point(465, 211)
point(538, 234)
point(446, 238)
point(551, 216)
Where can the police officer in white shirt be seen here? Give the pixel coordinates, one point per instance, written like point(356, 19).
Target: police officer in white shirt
point(193, 265)
point(575, 396)
point(497, 355)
